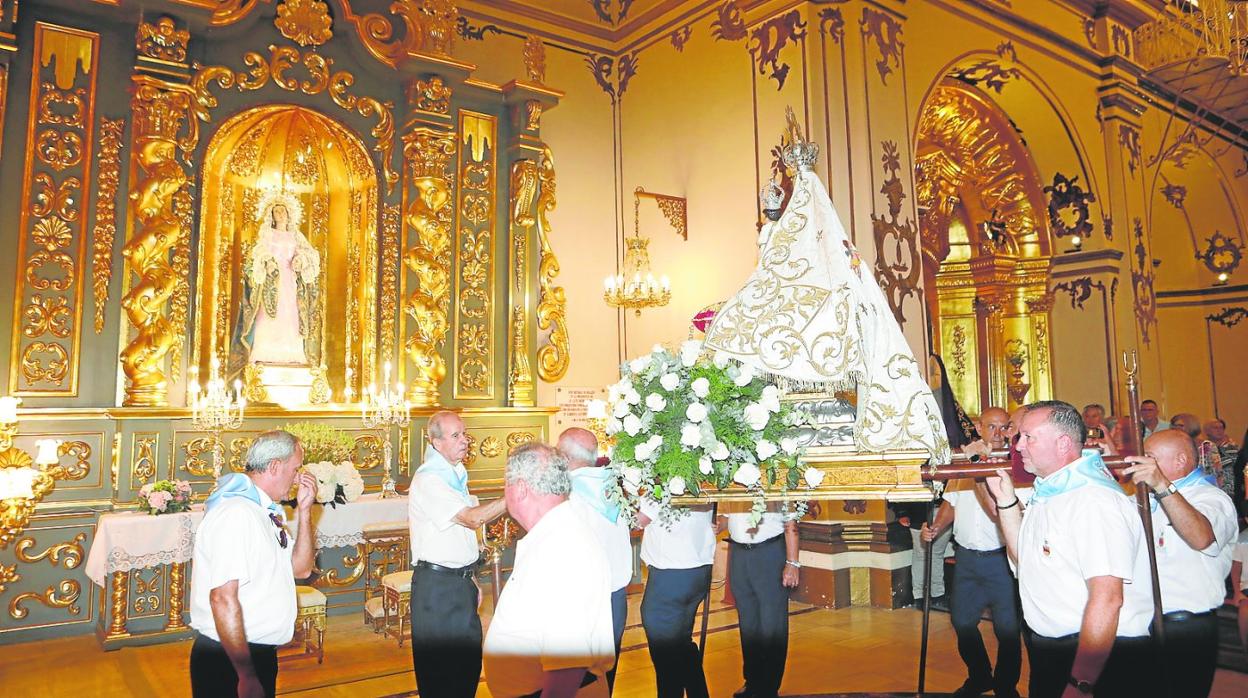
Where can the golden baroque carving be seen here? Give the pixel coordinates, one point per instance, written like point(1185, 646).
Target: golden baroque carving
point(427, 152)
point(68, 554)
point(516, 438)
point(162, 40)
point(143, 467)
point(552, 358)
point(353, 569)
point(180, 302)
point(119, 584)
point(8, 575)
point(429, 28)
point(64, 595)
point(80, 452)
point(320, 78)
point(159, 109)
point(532, 115)
point(177, 582)
point(305, 22)
point(193, 449)
point(896, 239)
point(535, 59)
point(253, 384)
point(520, 378)
point(474, 374)
point(524, 185)
point(105, 231)
point(390, 226)
point(430, 94)
point(491, 447)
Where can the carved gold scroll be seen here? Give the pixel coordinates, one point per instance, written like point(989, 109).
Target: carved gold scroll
point(474, 282)
point(552, 307)
point(159, 109)
point(524, 184)
point(47, 312)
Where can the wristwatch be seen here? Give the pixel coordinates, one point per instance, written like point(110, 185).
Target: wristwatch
point(794, 564)
point(1162, 494)
point(1084, 687)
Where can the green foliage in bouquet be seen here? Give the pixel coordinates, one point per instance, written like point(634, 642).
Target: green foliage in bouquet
point(683, 424)
point(321, 442)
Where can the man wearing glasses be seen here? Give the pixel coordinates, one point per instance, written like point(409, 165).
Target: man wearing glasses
point(243, 602)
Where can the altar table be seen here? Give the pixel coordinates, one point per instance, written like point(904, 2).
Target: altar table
point(155, 550)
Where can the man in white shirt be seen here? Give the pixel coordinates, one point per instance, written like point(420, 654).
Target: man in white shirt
point(1194, 528)
point(763, 567)
point(1081, 562)
point(553, 621)
point(590, 484)
point(679, 553)
point(443, 519)
point(1150, 418)
point(981, 573)
point(243, 575)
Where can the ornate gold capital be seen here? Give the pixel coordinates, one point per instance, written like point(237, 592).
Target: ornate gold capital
point(430, 94)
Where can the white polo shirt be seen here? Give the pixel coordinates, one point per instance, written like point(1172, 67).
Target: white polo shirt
point(1195, 580)
point(614, 539)
point(972, 528)
point(683, 544)
point(770, 526)
point(555, 610)
point(1067, 539)
point(238, 540)
point(431, 508)
point(1241, 556)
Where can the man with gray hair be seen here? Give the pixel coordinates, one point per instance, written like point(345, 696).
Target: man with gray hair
point(243, 578)
point(553, 621)
point(590, 488)
point(443, 519)
point(1081, 563)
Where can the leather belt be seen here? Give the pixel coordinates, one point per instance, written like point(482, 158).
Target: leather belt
point(1180, 616)
point(982, 553)
point(466, 572)
point(750, 546)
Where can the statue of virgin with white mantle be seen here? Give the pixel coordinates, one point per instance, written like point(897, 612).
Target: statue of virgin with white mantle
point(279, 316)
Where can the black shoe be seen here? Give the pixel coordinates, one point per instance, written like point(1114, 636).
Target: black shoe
point(941, 603)
point(743, 692)
point(971, 687)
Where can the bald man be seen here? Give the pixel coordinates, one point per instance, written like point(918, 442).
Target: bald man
point(590, 486)
point(981, 577)
point(1194, 528)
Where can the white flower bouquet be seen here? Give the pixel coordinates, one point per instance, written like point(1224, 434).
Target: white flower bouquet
point(336, 483)
point(685, 425)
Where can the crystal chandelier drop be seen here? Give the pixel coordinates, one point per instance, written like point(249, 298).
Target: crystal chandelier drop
point(636, 287)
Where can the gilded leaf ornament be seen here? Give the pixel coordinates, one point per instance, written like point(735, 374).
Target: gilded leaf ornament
point(553, 358)
point(896, 239)
point(105, 230)
point(305, 22)
point(430, 27)
point(885, 31)
point(770, 38)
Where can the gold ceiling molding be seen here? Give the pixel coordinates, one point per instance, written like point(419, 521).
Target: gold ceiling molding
point(305, 22)
point(968, 154)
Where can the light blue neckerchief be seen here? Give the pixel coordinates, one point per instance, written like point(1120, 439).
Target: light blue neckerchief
point(1195, 477)
point(239, 485)
point(589, 484)
point(1088, 470)
point(436, 464)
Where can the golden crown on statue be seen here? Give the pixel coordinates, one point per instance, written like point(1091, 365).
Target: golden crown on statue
point(272, 196)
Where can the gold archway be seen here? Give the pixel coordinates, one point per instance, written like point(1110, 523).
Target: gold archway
point(326, 168)
point(987, 250)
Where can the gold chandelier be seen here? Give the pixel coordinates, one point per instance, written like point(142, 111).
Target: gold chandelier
point(636, 286)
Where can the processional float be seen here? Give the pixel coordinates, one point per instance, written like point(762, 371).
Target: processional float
point(812, 319)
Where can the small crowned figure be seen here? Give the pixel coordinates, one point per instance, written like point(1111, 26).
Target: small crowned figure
point(280, 315)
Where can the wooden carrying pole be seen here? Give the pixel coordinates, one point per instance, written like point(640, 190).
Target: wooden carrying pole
point(1132, 445)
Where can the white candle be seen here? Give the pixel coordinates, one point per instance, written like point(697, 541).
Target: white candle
point(8, 409)
point(46, 451)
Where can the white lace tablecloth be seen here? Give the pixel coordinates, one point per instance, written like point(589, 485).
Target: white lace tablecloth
point(133, 540)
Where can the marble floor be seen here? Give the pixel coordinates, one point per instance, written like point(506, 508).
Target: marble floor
point(857, 650)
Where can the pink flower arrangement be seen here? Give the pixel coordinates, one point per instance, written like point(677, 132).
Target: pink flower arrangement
point(165, 497)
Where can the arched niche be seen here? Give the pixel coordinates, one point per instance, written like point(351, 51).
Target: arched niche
point(987, 249)
point(324, 168)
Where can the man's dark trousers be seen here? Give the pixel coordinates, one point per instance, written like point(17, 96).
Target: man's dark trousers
point(756, 572)
point(668, 609)
point(619, 614)
point(213, 674)
point(446, 634)
point(982, 580)
point(1190, 652)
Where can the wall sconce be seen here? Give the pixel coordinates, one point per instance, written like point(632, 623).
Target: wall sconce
point(637, 287)
point(24, 481)
point(1076, 244)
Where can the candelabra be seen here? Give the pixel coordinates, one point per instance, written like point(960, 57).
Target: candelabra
point(383, 409)
point(214, 410)
point(24, 481)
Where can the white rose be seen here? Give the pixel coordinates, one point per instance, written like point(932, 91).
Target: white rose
point(655, 402)
point(789, 445)
point(756, 416)
point(658, 349)
point(596, 409)
point(669, 381)
point(632, 397)
point(676, 485)
point(747, 474)
point(701, 388)
point(655, 441)
point(719, 451)
point(813, 477)
point(690, 435)
point(643, 451)
point(631, 476)
point(744, 376)
point(771, 398)
point(620, 409)
point(695, 412)
point(704, 465)
point(632, 424)
point(639, 364)
point(614, 426)
point(689, 352)
point(765, 449)
point(721, 359)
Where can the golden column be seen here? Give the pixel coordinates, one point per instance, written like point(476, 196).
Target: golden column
point(159, 109)
point(428, 146)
